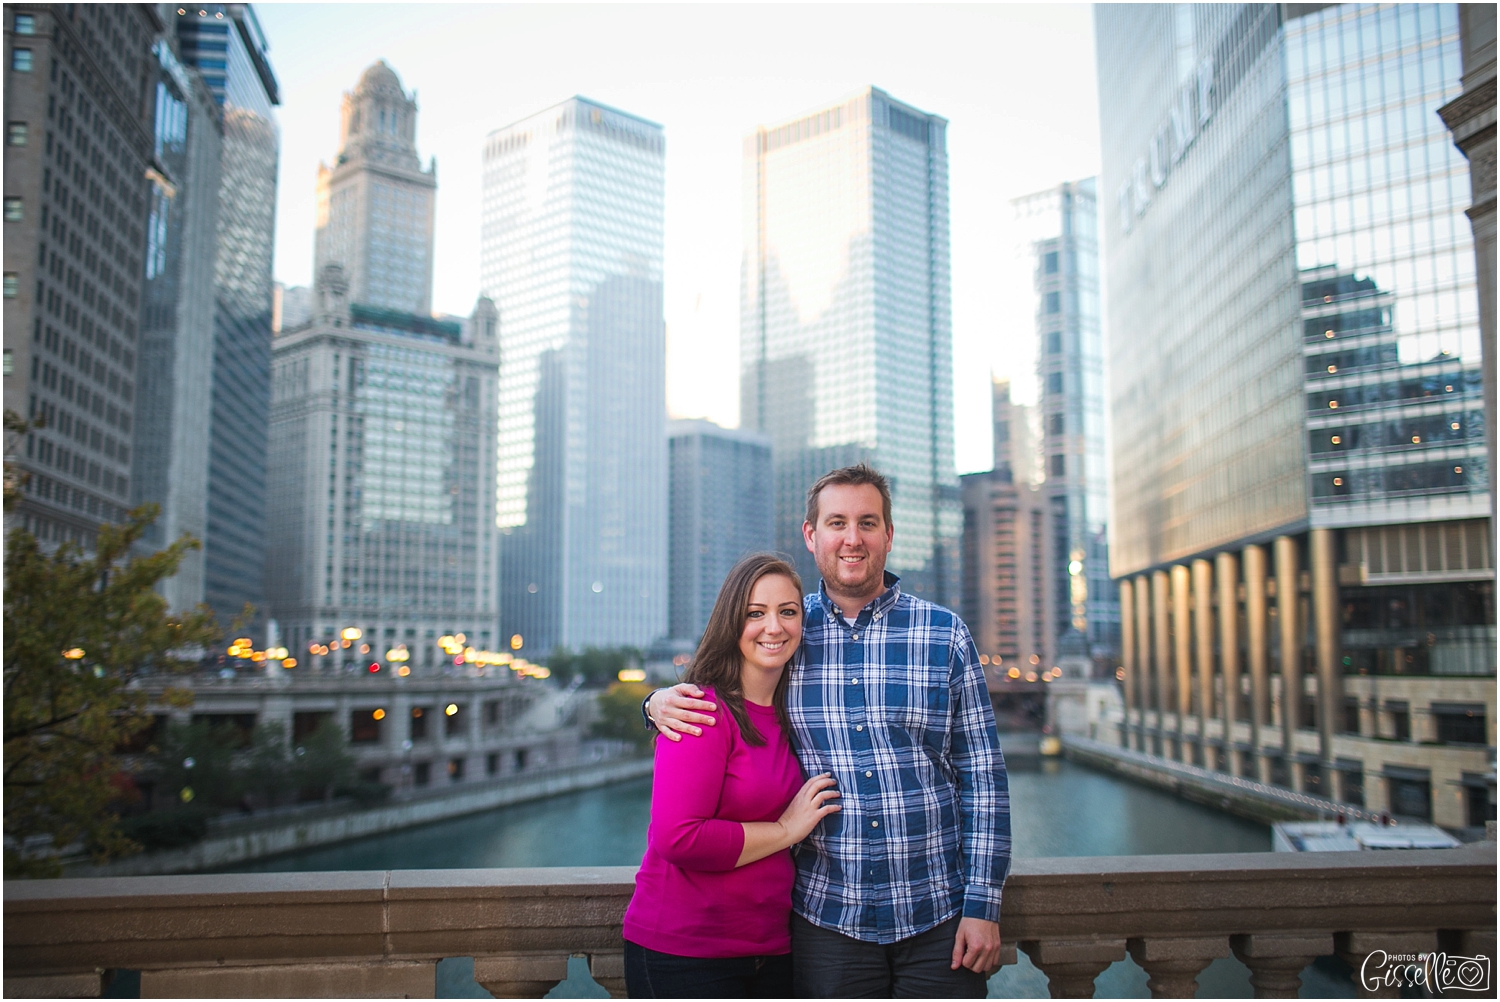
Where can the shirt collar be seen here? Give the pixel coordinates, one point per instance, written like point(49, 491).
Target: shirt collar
point(880, 605)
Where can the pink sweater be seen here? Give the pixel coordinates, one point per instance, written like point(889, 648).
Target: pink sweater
point(690, 899)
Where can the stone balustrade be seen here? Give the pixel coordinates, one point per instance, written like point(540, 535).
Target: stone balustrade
point(382, 933)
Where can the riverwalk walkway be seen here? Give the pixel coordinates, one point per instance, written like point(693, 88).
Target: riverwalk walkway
point(1245, 797)
point(233, 841)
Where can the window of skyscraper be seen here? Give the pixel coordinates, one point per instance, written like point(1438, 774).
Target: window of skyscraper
point(15, 133)
point(1054, 302)
point(1049, 263)
point(20, 60)
point(25, 24)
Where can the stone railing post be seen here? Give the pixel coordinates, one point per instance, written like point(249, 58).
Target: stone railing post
point(525, 975)
point(1354, 947)
point(1276, 960)
point(1071, 965)
point(1172, 964)
point(609, 970)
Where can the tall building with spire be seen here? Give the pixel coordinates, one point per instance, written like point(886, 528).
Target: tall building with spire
point(846, 337)
point(375, 204)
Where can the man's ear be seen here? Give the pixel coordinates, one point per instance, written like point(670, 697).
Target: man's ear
point(807, 536)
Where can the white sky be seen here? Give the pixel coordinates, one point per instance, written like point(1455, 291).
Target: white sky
point(1016, 82)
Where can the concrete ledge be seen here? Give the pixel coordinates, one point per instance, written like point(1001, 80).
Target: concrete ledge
point(240, 844)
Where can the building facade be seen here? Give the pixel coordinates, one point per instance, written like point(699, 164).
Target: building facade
point(376, 203)
point(381, 485)
point(173, 392)
point(224, 44)
point(1062, 246)
point(721, 509)
point(571, 252)
point(1006, 597)
point(1300, 520)
point(79, 101)
point(846, 326)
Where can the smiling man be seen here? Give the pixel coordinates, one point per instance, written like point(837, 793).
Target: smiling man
point(899, 894)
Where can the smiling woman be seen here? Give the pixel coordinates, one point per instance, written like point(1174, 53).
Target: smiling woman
point(713, 898)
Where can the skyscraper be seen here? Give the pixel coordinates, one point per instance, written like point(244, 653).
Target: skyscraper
point(1062, 246)
point(846, 329)
point(224, 43)
point(721, 509)
point(571, 253)
point(173, 390)
point(1006, 595)
point(375, 204)
point(1301, 513)
point(381, 482)
point(78, 141)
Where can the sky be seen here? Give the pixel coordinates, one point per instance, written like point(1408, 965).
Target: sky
point(1016, 83)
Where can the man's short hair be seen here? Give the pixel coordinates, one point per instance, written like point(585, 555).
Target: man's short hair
point(853, 476)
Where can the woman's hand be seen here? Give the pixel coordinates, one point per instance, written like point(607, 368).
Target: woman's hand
point(812, 804)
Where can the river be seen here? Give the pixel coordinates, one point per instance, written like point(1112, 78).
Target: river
point(1058, 808)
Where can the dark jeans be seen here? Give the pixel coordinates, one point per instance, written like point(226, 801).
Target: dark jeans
point(830, 965)
point(653, 975)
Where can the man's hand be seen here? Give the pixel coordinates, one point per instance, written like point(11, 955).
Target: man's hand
point(673, 711)
point(977, 946)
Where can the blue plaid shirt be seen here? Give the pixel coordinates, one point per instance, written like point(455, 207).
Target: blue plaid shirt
point(896, 708)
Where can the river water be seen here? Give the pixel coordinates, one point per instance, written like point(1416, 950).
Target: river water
point(1058, 808)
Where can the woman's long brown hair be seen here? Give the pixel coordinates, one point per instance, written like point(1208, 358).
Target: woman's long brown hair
point(718, 661)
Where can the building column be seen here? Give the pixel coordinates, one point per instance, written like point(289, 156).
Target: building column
point(1146, 685)
point(1162, 650)
point(1255, 640)
point(1127, 656)
point(1228, 574)
point(1287, 567)
point(1325, 594)
point(1182, 654)
point(1203, 634)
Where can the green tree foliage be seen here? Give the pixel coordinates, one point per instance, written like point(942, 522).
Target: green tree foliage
point(268, 766)
point(620, 713)
point(195, 764)
point(79, 628)
point(322, 763)
point(598, 666)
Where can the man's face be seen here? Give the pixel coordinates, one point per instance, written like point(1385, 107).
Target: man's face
point(851, 539)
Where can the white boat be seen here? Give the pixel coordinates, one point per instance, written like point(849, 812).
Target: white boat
point(1332, 836)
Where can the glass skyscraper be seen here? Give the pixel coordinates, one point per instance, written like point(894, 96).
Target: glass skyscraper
point(225, 44)
point(1062, 247)
point(720, 511)
point(1301, 504)
point(846, 326)
point(571, 253)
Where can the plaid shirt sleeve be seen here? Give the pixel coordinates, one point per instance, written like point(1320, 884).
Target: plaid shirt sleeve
point(984, 793)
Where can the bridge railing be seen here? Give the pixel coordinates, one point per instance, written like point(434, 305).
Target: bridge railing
point(382, 933)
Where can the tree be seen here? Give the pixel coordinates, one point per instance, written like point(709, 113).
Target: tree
point(620, 713)
point(322, 763)
point(599, 666)
point(268, 766)
point(195, 765)
point(80, 627)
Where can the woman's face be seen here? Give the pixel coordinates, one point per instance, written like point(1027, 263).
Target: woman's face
point(773, 624)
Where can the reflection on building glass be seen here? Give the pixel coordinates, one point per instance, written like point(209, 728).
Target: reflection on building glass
point(1060, 231)
point(571, 252)
point(225, 44)
point(845, 320)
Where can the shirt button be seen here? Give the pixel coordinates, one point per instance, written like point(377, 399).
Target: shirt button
point(874, 824)
point(856, 636)
point(877, 615)
point(859, 727)
point(854, 681)
point(868, 774)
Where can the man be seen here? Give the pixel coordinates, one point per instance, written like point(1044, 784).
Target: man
point(899, 894)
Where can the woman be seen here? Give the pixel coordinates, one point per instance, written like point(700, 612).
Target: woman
point(713, 898)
